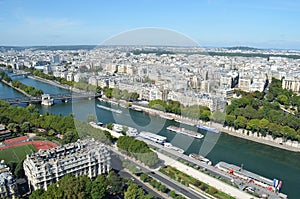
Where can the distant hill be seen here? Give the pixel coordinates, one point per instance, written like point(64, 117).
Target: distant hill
point(64, 47)
point(242, 48)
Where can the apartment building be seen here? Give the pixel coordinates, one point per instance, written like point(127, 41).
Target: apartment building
point(84, 157)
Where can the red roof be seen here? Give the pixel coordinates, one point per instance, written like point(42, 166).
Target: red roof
point(16, 140)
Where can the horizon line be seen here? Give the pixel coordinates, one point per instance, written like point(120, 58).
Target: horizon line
point(144, 45)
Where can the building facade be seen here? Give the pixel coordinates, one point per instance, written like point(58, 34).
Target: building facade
point(84, 157)
point(8, 185)
point(291, 83)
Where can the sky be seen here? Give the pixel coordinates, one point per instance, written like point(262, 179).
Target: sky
point(215, 23)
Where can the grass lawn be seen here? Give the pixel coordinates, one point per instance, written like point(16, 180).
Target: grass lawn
point(16, 154)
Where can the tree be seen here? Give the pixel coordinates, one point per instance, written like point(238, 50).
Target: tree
point(263, 125)
point(253, 125)
point(116, 93)
point(134, 96)
point(173, 194)
point(124, 130)
point(36, 194)
point(32, 108)
point(283, 99)
point(91, 118)
point(133, 192)
point(149, 196)
point(144, 177)
point(205, 115)
point(13, 127)
point(108, 92)
point(250, 112)
point(259, 95)
point(125, 95)
point(115, 183)
point(150, 158)
point(270, 97)
point(240, 122)
point(51, 132)
point(25, 127)
point(219, 116)
point(110, 126)
point(229, 120)
point(70, 136)
point(138, 149)
point(99, 187)
point(108, 136)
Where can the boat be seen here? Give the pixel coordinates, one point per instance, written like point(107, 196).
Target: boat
point(170, 146)
point(123, 105)
point(100, 99)
point(112, 102)
point(109, 109)
point(167, 117)
point(99, 123)
point(152, 137)
point(185, 122)
point(132, 132)
point(249, 176)
point(185, 132)
point(209, 129)
point(137, 109)
point(200, 158)
point(117, 127)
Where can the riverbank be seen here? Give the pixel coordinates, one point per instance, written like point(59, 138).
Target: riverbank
point(17, 89)
point(241, 133)
point(54, 83)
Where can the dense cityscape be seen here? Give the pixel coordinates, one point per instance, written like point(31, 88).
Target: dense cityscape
point(149, 100)
point(142, 78)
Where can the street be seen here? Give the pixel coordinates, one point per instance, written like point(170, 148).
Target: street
point(174, 185)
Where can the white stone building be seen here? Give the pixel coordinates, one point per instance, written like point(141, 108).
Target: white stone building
point(84, 157)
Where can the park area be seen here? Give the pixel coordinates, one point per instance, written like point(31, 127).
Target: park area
point(16, 154)
point(16, 149)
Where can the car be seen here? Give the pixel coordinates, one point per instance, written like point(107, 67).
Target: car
point(250, 189)
point(132, 179)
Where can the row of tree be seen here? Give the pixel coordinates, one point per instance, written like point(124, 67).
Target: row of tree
point(154, 183)
point(120, 94)
point(28, 89)
point(109, 92)
point(171, 106)
point(40, 74)
point(4, 76)
point(275, 112)
point(137, 149)
point(104, 186)
point(20, 119)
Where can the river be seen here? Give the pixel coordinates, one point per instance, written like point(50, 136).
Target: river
point(261, 159)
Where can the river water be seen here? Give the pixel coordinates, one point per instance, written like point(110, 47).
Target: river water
point(264, 160)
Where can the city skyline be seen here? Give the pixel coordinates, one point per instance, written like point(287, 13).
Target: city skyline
point(267, 24)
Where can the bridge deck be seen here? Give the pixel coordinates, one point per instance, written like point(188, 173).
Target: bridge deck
point(53, 96)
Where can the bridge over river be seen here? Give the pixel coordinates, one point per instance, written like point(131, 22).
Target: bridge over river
point(62, 97)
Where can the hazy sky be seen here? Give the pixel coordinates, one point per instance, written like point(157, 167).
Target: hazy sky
point(257, 23)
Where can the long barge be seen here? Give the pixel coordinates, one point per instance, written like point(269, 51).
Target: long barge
point(109, 109)
point(185, 132)
point(152, 137)
point(249, 176)
point(209, 129)
point(200, 158)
